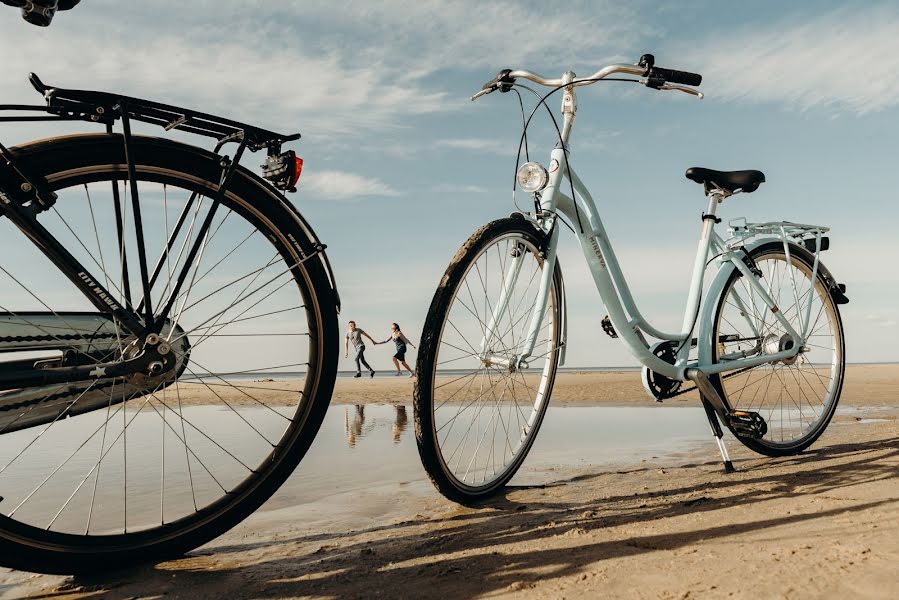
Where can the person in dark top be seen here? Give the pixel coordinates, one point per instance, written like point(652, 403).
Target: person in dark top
point(401, 342)
point(354, 334)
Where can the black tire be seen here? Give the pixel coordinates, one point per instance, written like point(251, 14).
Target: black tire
point(794, 389)
point(74, 160)
point(426, 428)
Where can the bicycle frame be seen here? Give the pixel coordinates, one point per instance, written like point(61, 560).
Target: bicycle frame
point(612, 286)
point(23, 197)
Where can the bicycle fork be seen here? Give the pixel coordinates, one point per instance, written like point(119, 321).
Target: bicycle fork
point(518, 359)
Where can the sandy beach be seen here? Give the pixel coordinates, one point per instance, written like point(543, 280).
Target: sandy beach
point(864, 385)
point(824, 524)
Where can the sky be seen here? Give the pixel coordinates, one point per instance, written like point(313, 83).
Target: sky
point(400, 167)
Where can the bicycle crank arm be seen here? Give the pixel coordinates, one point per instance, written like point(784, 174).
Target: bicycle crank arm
point(743, 423)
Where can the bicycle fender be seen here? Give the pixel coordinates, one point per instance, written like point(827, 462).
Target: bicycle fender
point(716, 288)
point(315, 244)
point(563, 341)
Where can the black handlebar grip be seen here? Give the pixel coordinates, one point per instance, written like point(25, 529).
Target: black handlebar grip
point(681, 77)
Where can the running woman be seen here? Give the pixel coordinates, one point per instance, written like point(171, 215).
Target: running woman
point(401, 341)
point(354, 334)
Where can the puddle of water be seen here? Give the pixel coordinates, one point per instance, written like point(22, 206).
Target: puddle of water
point(365, 447)
point(367, 454)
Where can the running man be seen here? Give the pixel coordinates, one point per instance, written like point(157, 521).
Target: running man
point(354, 334)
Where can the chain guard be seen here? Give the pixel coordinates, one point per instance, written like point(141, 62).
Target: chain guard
point(34, 406)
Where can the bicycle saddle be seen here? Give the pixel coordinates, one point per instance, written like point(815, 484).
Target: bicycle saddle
point(729, 181)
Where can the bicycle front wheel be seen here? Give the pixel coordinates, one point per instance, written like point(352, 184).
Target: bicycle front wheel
point(135, 468)
point(796, 397)
point(477, 412)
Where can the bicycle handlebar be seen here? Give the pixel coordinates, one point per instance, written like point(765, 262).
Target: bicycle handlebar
point(654, 77)
point(682, 77)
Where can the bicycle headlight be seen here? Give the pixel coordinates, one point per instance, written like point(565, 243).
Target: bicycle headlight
point(531, 177)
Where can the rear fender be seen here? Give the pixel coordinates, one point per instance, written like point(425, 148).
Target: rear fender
point(716, 288)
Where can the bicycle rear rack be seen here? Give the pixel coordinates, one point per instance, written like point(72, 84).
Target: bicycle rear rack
point(106, 108)
point(28, 195)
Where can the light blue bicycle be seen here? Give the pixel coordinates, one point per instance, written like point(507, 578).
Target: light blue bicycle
point(767, 356)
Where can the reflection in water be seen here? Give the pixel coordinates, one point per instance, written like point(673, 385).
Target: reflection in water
point(358, 428)
point(399, 426)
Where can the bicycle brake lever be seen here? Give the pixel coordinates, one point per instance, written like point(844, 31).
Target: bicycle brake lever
point(483, 92)
point(679, 88)
point(501, 82)
point(684, 89)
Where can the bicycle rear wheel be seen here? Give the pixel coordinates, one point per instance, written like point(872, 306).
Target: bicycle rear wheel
point(797, 397)
point(118, 470)
point(475, 417)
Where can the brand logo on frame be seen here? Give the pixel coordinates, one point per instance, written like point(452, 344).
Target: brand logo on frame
point(595, 245)
point(100, 294)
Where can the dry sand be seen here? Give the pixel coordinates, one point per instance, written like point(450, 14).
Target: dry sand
point(868, 385)
point(824, 524)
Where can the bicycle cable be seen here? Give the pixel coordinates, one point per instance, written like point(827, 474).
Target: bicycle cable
point(542, 101)
point(527, 155)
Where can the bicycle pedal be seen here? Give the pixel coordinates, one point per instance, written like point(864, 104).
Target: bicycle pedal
point(608, 327)
point(748, 424)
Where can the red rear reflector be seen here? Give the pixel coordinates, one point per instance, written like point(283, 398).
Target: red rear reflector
point(297, 171)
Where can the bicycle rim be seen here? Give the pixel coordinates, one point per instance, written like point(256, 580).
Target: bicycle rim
point(485, 414)
point(796, 397)
point(150, 461)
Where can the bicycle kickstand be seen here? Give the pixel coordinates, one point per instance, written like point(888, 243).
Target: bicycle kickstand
point(718, 433)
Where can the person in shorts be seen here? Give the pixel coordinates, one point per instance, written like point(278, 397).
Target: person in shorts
point(354, 335)
point(401, 342)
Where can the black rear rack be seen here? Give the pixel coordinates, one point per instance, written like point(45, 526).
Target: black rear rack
point(105, 108)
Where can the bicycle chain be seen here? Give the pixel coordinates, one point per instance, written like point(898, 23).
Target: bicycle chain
point(50, 398)
point(690, 389)
point(52, 338)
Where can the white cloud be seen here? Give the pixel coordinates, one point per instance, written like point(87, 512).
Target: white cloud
point(430, 36)
point(846, 60)
point(880, 320)
point(452, 188)
point(339, 185)
point(317, 92)
point(329, 69)
point(491, 146)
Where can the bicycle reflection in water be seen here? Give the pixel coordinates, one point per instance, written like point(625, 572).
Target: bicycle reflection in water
point(357, 427)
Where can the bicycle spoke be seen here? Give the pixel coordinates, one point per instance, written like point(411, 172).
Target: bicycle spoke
point(793, 402)
point(483, 415)
point(149, 451)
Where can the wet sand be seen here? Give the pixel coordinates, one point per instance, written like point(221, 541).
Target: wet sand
point(824, 524)
point(867, 385)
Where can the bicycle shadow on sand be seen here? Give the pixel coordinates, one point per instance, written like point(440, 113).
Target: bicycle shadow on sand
point(519, 538)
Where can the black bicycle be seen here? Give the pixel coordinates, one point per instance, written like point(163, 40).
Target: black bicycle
point(168, 333)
